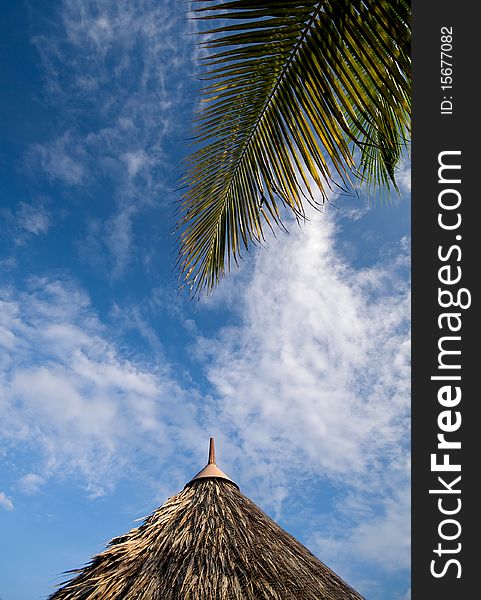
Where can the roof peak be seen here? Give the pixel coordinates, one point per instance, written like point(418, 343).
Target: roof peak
point(211, 470)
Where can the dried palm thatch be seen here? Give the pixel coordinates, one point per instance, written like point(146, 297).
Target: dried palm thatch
point(208, 542)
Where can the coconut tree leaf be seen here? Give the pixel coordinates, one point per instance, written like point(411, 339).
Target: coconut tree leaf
point(298, 95)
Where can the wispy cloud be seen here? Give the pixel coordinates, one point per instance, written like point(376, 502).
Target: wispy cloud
point(66, 391)
point(20, 225)
point(33, 219)
point(31, 483)
point(309, 383)
point(5, 501)
point(378, 535)
point(403, 176)
point(123, 66)
point(60, 159)
point(313, 381)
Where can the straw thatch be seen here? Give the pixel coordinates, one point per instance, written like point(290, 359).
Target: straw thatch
point(208, 542)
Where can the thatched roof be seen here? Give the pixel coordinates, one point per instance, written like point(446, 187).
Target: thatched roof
point(208, 542)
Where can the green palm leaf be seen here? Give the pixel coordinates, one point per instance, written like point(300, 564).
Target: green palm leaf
point(299, 94)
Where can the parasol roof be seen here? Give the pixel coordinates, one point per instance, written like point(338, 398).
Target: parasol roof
point(208, 542)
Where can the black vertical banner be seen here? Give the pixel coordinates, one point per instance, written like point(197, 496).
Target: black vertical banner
point(446, 435)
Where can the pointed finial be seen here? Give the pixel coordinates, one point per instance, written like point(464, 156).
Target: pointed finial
point(211, 470)
point(211, 452)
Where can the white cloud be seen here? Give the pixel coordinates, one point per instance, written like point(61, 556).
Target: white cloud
point(310, 385)
point(20, 224)
point(61, 159)
point(386, 539)
point(71, 397)
point(135, 161)
point(33, 219)
point(118, 230)
point(31, 483)
point(5, 501)
point(403, 176)
point(313, 381)
point(123, 66)
point(131, 318)
point(379, 534)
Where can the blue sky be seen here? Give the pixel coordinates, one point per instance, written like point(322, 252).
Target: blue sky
point(111, 381)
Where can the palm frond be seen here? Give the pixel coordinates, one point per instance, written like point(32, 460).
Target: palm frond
point(294, 91)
